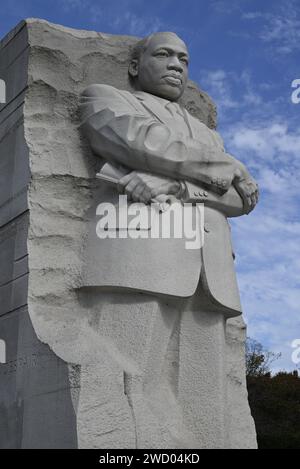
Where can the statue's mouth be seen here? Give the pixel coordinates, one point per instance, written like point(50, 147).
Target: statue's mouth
point(175, 81)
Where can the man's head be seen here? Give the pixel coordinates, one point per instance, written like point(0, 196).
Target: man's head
point(159, 65)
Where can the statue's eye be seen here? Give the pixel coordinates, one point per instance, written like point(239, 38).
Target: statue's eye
point(184, 60)
point(162, 53)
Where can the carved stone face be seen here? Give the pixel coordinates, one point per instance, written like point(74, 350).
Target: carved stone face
point(162, 69)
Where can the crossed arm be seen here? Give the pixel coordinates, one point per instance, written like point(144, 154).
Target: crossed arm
point(142, 187)
point(123, 132)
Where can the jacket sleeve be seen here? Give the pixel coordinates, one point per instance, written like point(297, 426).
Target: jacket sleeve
point(122, 131)
point(230, 203)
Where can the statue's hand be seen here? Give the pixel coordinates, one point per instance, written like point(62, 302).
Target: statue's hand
point(247, 188)
point(142, 187)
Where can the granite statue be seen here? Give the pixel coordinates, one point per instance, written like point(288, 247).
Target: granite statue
point(169, 293)
point(126, 340)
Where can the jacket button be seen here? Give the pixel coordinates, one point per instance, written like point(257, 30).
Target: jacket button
point(206, 228)
point(205, 194)
point(195, 194)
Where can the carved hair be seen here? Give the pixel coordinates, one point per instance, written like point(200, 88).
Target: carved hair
point(140, 47)
point(136, 53)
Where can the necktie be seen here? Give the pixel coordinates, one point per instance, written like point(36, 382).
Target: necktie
point(180, 122)
point(174, 109)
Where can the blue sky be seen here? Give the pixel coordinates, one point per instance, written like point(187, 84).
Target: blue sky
point(245, 54)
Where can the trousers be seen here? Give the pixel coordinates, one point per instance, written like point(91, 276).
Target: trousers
point(160, 378)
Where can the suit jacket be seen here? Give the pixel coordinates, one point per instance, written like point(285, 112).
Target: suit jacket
point(134, 130)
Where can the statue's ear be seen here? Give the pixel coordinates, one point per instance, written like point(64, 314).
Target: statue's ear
point(133, 68)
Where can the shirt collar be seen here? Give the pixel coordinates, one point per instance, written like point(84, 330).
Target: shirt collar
point(164, 102)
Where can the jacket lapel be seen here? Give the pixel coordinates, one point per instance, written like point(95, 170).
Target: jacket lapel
point(191, 123)
point(161, 113)
point(153, 106)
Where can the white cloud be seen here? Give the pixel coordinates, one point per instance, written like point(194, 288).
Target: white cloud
point(137, 25)
point(268, 253)
point(267, 141)
point(252, 15)
point(118, 18)
point(267, 241)
point(273, 182)
point(285, 32)
point(217, 82)
point(69, 5)
point(280, 28)
point(226, 8)
point(221, 85)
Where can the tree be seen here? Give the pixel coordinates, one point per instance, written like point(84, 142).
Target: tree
point(258, 359)
point(274, 400)
point(275, 407)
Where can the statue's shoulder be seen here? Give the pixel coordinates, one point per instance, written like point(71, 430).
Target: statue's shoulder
point(99, 89)
point(108, 94)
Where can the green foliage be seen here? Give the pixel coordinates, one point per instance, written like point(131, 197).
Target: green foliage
point(258, 359)
point(274, 401)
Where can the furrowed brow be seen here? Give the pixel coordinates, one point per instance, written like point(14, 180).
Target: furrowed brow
point(171, 51)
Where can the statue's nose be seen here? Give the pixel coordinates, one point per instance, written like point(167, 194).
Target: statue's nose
point(175, 64)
